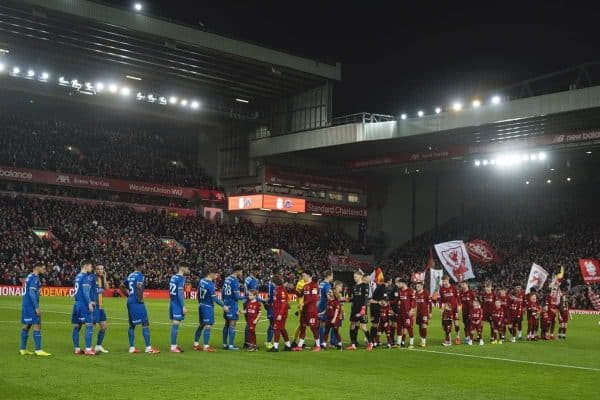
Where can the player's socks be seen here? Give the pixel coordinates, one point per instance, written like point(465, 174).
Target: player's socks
point(174, 330)
point(89, 335)
point(353, 335)
point(37, 340)
point(231, 336)
point(131, 335)
point(24, 338)
point(206, 336)
point(300, 343)
point(76, 330)
point(197, 335)
point(322, 333)
point(100, 338)
point(411, 341)
point(146, 333)
point(276, 345)
point(225, 334)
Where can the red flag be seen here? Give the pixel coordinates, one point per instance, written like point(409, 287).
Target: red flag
point(590, 270)
point(481, 252)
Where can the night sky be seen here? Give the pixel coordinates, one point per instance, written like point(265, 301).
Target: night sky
point(403, 56)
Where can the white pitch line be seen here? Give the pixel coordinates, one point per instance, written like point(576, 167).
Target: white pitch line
point(511, 360)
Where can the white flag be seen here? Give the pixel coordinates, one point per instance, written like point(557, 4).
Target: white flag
point(537, 278)
point(435, 280)
point(455, 259)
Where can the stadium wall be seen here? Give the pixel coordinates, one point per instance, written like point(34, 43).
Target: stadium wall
point(405, 206)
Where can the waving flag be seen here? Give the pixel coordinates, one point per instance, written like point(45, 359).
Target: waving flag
point(557, 279)
point(537, 278)
point(480, 251)
point(376, 279)
point(590, 270)
point(455, 259)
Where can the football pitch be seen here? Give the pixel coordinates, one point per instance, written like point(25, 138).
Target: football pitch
point(523, 370)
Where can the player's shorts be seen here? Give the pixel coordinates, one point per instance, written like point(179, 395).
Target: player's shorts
point(99, 315)
point(322, 315)
point(383, 325)
point(81, 314)
point(475, 327)
point(455, 314)
point(498, 325)
point(563, 317)
point(29, 317)
point(422, 319)
point(232, 314)
point(405, 321)
point(279, 325)
point(355, 317)
point(206, 314)
point(309, 319)
point(176, 312)
point(137, 313)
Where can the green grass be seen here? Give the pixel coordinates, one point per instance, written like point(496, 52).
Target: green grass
point(381, 373)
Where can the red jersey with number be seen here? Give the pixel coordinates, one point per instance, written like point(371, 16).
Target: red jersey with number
point(280, 301)
point(449, 295)
point(406, 300)
point(505, 303)
point(423, 303)
point(310, 293)
point(533, 309)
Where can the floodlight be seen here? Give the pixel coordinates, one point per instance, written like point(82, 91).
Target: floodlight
point(403, 116)
point(476, 103)
point(172, 100)
point(541, 155)
point(138, 7)
point(184, 102)
point(99, 86)
point(438, 110)
point(113, 88)
point(420, 113)
point(44, 76)
point(16, 70)
point(495, 99)
point(125, 91)
point(457, 106)
point(30, 73)
point(477, 163)
point(195, 105)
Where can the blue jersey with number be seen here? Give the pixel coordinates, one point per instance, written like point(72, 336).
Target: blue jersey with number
point(206, 292)
point(231, 290)
point(83, 288)
point(132, 284)
point(31, 293)
point(324, 288)
point(251, 283)
point(176, 285)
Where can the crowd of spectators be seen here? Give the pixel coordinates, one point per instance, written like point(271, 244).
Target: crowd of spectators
point(549, 235)
point(100, 145)
point(118, 236)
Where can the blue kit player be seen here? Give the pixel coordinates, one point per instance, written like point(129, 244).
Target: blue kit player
point(99, 313)
point(207, 296)
point(30, 311)
point(136, 309)
point(270, 316)
point(83, 308)
point(231, 296)
point(324, 289)
point(177, 308)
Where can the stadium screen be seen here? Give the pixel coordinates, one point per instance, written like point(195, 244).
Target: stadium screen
point(255, 202)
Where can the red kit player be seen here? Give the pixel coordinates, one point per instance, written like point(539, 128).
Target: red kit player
point(423, 303)
point(384, 325)
point(466, 300)
point(252, 312)
point(280, 313)
point(487, 298)
point(406, 315)
point(334, 313)
point(309, 316)
point(563, 316)
point(449, 295)
point(533, 313)
point(475, 322)
point(447, 322)
point(497, 322)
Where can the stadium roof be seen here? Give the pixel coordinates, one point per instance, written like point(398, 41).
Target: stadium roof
point(102, 39)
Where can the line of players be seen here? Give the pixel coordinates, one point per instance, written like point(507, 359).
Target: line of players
point(393, 307)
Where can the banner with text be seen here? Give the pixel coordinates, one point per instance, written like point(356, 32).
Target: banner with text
point(336, 210)
point(590, 270)
point(480, 251)
point(115, 185)
point(455, 259)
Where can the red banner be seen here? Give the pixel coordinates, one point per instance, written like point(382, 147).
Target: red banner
point(481, 252)
point(336, 210)
point(590, 270)
point(281, 176)
point(115, 185)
